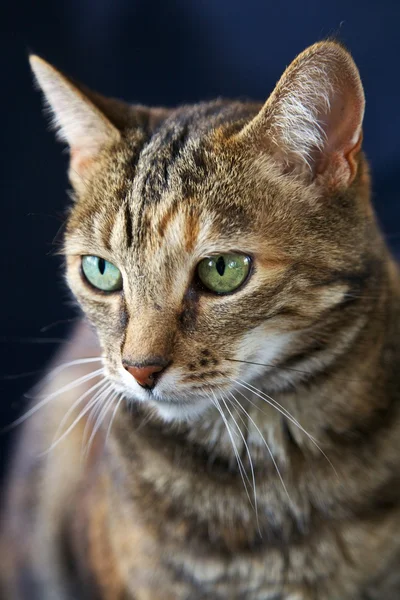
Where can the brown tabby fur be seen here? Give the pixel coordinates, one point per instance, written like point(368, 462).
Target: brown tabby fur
point(158, 511)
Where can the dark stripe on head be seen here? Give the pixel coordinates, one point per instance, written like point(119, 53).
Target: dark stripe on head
point(128, 225)
point(178, 143)
point(166, 150)
point(106, 233)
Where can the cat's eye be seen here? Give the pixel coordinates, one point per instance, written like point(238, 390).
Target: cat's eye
point(102, 274)
point(224, 273)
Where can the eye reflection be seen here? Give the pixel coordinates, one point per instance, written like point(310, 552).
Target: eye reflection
point(224, 273)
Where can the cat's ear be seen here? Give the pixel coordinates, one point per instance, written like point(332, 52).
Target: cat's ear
point(312, 122)
point(86, 121)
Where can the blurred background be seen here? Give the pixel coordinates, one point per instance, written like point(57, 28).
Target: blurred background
point(153, 52)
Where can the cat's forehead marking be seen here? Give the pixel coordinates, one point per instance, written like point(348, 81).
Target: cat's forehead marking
point(166, 217)
point(192, 230)
point(176, 150)
point(168, 144)
point(157, 160)
point(155, 187)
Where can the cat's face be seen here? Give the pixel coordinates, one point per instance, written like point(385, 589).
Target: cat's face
point(220, 246)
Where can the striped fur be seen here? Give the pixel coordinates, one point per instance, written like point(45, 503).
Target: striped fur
point(303, 359)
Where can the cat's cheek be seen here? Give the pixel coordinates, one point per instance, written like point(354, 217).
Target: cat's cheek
point(73, 273)
point(264, 345)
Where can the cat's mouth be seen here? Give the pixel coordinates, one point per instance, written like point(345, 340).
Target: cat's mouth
point(171, 400)
point(173, 405)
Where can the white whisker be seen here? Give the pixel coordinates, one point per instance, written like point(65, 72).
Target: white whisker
point(106, 404)
point(83, 412)
point(248, 454)
point(53, 395)
point(54, 372)
point(72, 363)
point(113, 416)
point(242, 470)
point(284, 412)
point(272, 403)
point(102, 384)
point(92, 402)
point(267, 447)
point(93, 415)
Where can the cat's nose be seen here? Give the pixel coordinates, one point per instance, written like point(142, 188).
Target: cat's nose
point(146, 374)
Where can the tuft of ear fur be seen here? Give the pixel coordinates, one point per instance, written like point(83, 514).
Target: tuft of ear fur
point(77, 119)
point(313, 119)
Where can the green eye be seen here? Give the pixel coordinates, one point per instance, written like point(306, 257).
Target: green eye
point(224, 273)
point(101, 273)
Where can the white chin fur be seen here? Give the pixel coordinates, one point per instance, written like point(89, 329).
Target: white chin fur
point(190, 411)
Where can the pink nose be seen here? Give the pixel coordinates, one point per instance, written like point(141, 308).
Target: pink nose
point(145, 376)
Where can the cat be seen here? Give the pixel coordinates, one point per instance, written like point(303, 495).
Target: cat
point(224, 422)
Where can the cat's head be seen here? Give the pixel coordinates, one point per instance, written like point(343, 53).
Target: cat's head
point(218, 242)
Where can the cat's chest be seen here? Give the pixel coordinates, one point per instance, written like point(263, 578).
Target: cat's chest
point(148, 571)
point(155, 531)
point(132, 549)
point(134, 558)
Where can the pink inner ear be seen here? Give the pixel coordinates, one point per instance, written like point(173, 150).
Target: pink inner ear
point(79, 162)
point(342, 127)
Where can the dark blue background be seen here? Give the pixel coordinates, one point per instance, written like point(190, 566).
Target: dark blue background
point(155, 52)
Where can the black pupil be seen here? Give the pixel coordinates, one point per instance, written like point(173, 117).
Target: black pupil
point(102, 265)
point(220, 265)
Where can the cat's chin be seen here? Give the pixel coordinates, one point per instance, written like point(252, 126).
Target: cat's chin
point(180, 411)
